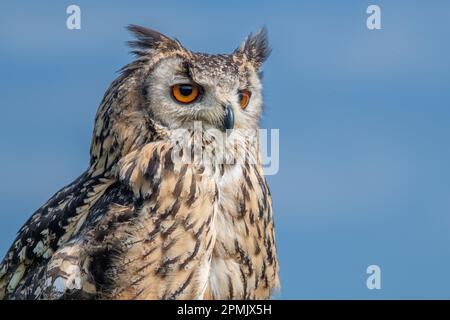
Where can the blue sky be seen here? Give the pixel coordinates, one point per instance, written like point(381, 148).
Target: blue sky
point(364, 119)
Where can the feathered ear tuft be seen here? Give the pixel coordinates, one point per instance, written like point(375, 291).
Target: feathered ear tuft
point(148, 39)
point(255, 48)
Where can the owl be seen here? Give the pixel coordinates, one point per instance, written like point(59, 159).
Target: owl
point(166, 208)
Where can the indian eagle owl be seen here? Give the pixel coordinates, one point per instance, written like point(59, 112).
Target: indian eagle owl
point(141, 223)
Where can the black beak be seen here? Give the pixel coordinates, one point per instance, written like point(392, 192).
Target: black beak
point(229, 117)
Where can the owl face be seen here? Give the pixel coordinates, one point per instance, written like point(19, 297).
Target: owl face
point(181, 87)
point(214, 89)
point(168, 87)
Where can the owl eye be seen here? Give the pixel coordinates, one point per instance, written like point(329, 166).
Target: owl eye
point(185, 93)
point(244, 98)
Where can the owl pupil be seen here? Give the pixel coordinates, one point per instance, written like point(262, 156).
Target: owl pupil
point(185, 89)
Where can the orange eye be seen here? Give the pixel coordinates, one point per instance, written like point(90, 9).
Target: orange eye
point(185, 93)
point(244, 98)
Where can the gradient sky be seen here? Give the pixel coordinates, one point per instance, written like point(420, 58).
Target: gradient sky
point(364, 119)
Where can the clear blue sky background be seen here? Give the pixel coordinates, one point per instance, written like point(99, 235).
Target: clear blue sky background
point(364, 119)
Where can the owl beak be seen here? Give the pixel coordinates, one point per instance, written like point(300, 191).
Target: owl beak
point(229, 117)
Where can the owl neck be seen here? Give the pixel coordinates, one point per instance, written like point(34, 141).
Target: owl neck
point(213, 147)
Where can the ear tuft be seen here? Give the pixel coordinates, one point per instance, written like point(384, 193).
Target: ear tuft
point(148, 39)
point(255, 48)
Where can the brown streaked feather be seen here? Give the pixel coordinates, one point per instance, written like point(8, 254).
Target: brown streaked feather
point(170, 257)
point(49, 229)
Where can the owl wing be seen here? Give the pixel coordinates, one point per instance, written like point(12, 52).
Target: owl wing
point(45, 232)
point(76, 269)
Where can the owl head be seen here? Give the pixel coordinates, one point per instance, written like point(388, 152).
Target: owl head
point(170, 87)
